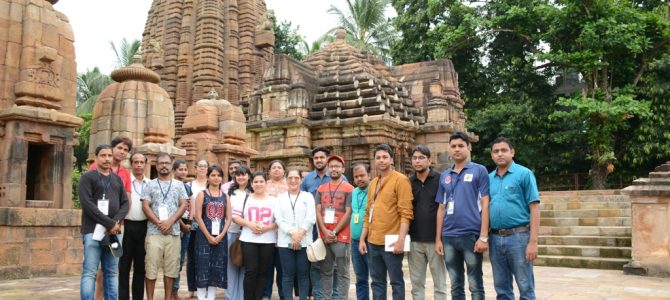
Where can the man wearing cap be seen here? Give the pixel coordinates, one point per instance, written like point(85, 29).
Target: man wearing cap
point(333, 207)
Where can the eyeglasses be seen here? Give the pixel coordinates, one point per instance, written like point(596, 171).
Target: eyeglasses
point(419, 157)
point(335, 167)
point(202, 166)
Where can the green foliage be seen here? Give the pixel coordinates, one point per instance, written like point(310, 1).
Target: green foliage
point(287, 39)
point(89, 85)
point(81, 150)
point(76, 174)
point(125, 52)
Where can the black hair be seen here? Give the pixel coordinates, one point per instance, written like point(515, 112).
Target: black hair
point(320, 149)
point(177, 163)
point(138, 153)
point(256, 174)
point(283, 165)
point(211, 169)
point(502, 139)
point(360, 165)
point(242, 169)
point(163, 154)
point(101, 147)
point(122, 139)
point(458, 135)
point(383, 147)
point(423, 149)
point(294, 170)
point(195, 164)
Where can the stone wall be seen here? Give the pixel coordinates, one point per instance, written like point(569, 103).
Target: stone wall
point(39, 242)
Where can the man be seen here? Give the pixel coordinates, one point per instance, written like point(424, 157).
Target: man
point(515, 222)
point(388, 212)
point(163, 202)
point(104, 203)
point(359, 198)
point(333, 207)
point(425, 183)
point(180, 170)
point(135, 232)
point(463, 218)
point(232, 167)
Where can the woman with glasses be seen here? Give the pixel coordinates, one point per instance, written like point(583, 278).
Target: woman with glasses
point(197, 186)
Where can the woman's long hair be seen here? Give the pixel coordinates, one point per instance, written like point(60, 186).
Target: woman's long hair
point(242, 169)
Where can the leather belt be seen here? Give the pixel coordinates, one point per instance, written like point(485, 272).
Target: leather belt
point(506, 232)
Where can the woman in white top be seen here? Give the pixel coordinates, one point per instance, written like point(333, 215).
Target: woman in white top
point(237, 193)
point(259, 235)
point(198, 185)
point(295, 216)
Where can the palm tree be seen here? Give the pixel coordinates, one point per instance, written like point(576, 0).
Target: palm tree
point(366, 25)
point(89, 85)
point(125, 52)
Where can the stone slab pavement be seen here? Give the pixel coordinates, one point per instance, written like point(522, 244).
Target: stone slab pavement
point(552, 283)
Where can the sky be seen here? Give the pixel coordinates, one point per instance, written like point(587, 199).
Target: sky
point(97, 22)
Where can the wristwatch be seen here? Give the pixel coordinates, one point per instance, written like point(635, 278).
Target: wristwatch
point(484, 239)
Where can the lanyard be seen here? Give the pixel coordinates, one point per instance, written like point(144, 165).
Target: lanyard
point(293, 202)
point(168, 190)
point(361, 197)
point(454, 184)
point(105, 186)
point(136, 189)
point(332, 194)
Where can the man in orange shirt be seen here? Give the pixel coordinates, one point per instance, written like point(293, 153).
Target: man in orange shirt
point(389, 211)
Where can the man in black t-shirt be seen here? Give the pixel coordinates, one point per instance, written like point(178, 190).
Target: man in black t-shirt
point(104, 203)
point(425, 182)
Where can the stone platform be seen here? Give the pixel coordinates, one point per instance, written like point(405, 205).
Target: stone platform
point(552, 283)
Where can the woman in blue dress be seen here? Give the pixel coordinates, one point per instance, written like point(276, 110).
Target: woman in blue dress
point(213, 214)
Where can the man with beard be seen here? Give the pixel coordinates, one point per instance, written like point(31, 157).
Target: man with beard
point(359, 198)
point(232, 167)
point(333, 210)
point(163, 202)
point(463, 217)
point(425, 182)
point(135, 232)
point(104, 204)
point(387, 216)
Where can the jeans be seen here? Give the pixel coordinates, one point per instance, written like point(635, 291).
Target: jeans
point(258, 259)
point(381, 263)
point(270, 276)
point(459, 251)
point(508, 258)
point(294, 263)
point(337, 257)
point(133, 255)
point(185, 237)
point(94, 256)
point(422, 255)
point(235, 288)
point(360, 264)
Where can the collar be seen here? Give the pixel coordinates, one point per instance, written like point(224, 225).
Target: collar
point(432, 173)
point(468, 165)
point(512, 167)
point(144, 179)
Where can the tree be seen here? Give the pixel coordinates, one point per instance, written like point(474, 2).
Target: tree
point(366, 26)
point(89, 85)
point(287, 39)
point(125, 52)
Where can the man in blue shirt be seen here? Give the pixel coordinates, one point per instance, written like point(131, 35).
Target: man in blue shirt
point(515, 222)
point(463, 216)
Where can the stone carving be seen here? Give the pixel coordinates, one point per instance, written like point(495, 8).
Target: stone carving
point(206, 44)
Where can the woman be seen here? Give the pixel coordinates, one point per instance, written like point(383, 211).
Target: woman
point(276, 185)
point(237, 193)
point(213, 214)
point(197, 185)
point(295, 216)
point(259, 235)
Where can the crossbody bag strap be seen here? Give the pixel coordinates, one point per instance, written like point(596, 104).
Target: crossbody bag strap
point(244, 204)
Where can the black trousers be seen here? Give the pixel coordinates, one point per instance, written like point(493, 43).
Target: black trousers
point(133, 254)
point(258, 258)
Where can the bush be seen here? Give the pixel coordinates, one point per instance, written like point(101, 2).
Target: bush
point(76, 174)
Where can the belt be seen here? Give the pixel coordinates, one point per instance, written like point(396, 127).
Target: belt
point(135, 221)
point(506, 232)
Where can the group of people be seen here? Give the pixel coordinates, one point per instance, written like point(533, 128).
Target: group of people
point(444, 221)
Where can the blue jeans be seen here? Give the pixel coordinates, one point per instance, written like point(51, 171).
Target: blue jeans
point(235, 288)
point(457, 252)
point(381, 263)
point(508, 258)
point(184, 247)
point(270, 276)
point(94, 255)
point(294, 263)
point(360, 264)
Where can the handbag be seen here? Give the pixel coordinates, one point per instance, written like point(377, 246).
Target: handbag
point(316, 251)
point(236, 247)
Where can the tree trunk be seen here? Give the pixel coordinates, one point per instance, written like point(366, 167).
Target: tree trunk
point(598, 176)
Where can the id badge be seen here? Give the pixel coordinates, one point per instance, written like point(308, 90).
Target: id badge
point(329, 217)
point(103, 205)
point(356, 218)
point(450, 206)
point(216, 227)
point(163, 213)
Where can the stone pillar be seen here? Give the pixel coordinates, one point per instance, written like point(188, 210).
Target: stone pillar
point(650, 204)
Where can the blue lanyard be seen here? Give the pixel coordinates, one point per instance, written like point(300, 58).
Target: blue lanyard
point(293, 202)
point(136, 189)
point(360, 199)
point(105, 187)
point(160, 187)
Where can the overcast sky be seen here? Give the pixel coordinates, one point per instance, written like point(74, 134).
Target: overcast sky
point(97, 22)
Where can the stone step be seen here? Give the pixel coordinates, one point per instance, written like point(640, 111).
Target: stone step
point(585, 251)
point(578, 213)
point(584, 205)
point(585, 240)
point(586, 221)
point(614, 231)
point(584, 198)
point(580, 193)
point(581, 262)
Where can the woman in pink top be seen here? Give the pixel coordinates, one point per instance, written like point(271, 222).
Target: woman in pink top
point(277, 182)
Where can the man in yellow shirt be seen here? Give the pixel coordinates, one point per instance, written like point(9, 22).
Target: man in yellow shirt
point(389, 211)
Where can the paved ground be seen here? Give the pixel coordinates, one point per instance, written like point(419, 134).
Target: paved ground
point(552, 283)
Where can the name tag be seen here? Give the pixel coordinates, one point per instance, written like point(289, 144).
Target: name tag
point(329, 216)
point(103, 205)
point(356, 218)
point(163, 213)
point(450, 206)
point(468, 178)
point(216, 228)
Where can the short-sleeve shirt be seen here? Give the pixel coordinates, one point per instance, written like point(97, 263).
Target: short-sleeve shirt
point(422, 228)
point(511, 195)
point(359, 200)
point(465, 188)
point(336, 196)
point(122, 172)
point(258, 211)
point(164, 194)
